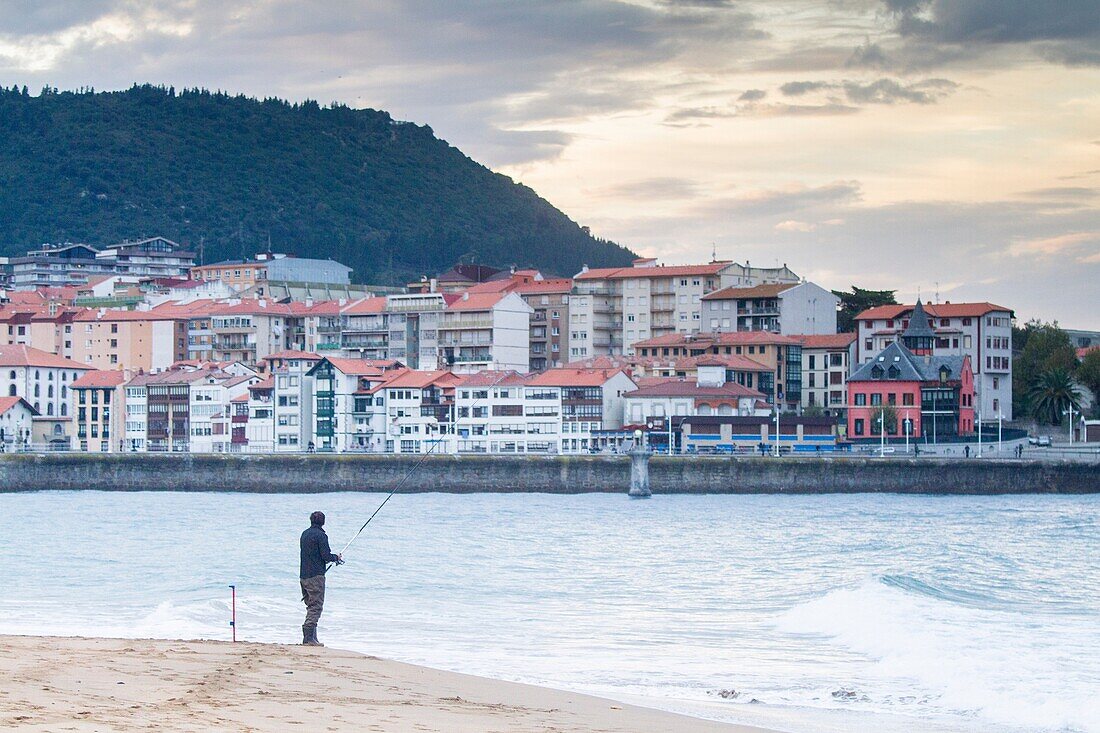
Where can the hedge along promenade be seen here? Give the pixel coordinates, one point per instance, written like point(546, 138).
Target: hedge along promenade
point(317, 473)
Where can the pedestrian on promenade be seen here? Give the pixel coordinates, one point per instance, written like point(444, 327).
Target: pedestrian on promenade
point(966, 450)
point(316, 555)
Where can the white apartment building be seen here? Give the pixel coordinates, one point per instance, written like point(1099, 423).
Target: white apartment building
point(39, 377)
point(260, 428)
point(136, 410)
point(419, 414)
point(340, 388)
point(982, 331)
point(292, 398)
point(16, 423)
point(211, 403)
point(591, 401)
point(786, 308)
point(708, 394)
point(495, 415)
point(612, 308)
point(485, 331)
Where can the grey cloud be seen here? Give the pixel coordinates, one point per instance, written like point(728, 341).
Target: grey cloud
point(692, 114)
point(880, 91)
point(18, 17)
point(798, 88)
point(1067, 31)
point(803, 110)
point(888, 91)
point(752, 95)
point(869, 55)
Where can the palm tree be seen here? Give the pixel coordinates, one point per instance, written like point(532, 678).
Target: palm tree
point(1051, 394)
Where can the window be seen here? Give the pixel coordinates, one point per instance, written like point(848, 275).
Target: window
point(858, 426)
point(876, 399)
point(860, 399)
point(907, 399)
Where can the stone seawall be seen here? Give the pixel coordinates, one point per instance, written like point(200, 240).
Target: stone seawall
point(557, 474)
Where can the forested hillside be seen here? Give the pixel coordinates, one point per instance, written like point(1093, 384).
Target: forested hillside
point(387, 198)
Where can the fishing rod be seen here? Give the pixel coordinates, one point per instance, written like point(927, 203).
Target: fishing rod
point(411, 471)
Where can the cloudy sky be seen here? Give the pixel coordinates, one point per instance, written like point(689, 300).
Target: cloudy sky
point(949, 147)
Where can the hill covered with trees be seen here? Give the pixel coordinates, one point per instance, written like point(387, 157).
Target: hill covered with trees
point(387, 198)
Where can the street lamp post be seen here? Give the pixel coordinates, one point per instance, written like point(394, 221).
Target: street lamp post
point(999, 432)
point(882, 433)
point(979, 433)
point(908, 427)
point(1070, 413)
point(777, 429)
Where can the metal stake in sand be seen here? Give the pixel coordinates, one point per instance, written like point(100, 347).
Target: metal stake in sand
point(233, 607)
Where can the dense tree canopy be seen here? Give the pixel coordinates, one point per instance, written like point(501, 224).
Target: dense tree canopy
point(857, 301)
point(1045, 348)
point(387, 198)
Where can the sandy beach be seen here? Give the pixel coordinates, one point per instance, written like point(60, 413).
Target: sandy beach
point(82, 684)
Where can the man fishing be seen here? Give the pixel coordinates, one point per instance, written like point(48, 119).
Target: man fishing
point(316, 555)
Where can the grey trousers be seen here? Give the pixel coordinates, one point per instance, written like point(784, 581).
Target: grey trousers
point(313, 595)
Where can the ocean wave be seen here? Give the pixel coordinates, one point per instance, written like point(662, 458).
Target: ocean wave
point(958, 653)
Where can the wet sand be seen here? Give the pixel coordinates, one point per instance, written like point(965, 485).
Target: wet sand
point(80, 684)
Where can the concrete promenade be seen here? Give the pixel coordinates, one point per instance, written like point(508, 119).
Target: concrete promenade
point(315, 473)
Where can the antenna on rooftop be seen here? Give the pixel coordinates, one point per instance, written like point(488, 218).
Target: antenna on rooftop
point(713, 252)
point(937, 292)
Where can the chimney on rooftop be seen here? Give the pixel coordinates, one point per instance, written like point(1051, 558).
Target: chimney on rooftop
point(466, 295)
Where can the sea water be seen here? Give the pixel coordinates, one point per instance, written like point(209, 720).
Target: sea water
point(804, 613)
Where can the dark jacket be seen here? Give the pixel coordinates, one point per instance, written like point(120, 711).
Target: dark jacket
point(315, 552)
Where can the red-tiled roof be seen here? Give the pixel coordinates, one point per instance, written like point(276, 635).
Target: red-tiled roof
point(688, 388)
point(476, 301)
point(490, 378)
point(240, 398)
point(766, 290)
point(268, 383)
point(355, 367)
point(826, 340)
point(939, 310)
point(365, 306)
point(6, 403)
point(1081, 352)
point(555, 285)
point(100, 378)
point(736, 362)
point(414, 379)
point(569, 377)
point(25, 356)
point(116, 315)
point(621, 273)
point(706, 340)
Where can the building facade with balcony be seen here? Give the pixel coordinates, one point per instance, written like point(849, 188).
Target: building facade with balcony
point(980, 331)
point(98, 411)
point(613, 308)
point(788, 308)
point(485, 331)
point(781, 383)
point(154, 257)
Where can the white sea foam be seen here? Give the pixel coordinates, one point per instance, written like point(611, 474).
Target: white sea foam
point(991, 663)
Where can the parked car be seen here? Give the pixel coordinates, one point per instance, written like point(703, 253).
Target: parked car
point(1044, 441)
